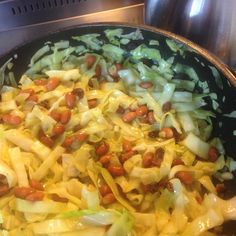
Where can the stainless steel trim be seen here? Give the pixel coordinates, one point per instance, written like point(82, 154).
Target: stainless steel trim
point(14, 37)
point(16, 13)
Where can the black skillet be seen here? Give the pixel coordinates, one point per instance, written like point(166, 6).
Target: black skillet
point(196, 57)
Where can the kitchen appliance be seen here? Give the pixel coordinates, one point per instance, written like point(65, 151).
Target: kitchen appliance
point(25, 20)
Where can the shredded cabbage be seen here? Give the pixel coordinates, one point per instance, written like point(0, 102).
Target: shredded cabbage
point(143, 51)
point(98, 140)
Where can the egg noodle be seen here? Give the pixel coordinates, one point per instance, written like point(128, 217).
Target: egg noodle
point(97, 140)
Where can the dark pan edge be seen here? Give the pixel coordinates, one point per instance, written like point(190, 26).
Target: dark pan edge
point(229, 73)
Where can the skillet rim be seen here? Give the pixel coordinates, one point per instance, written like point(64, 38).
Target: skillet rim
point(221, 66)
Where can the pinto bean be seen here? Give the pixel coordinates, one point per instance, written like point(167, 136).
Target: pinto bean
point(163, 182)
point(57, 198)
point(92, 103)
point(128, 117)
point(127, 155)
point(36, 196)
point(185, 177)
point(58, 129)
point(55, 115)
point(199, 198)
point(160, 153)
point(177, 161)
point(166, 107)
point(80, 137)
point(158, 157)
point(213, 154)
point(79, 92)
point(68, 141)
point(157, 161)
point(52, 84)
point(33, 98)
point(144, 119)
point(153, 134)
point(146, 84)
point(104, 189)
point(43, 138)
point(120, 110)
point(36, 185)
point(11, 119)
point(65, 117)
point(151, 118)
point(126, 145)
point(98, 71)
point(169, 186)
point(178, 137)
point(4, 189)
point(77, 128)
point(105, 160)
point(23, 192)
point(141, 111)
point(166, 132)
point(102, 149)
point(77, 137)
point(70, 100)
point(108, 199)
point(90, 60)
point(47, 141)
point(116, 170)
point(220, 188)
point(150, 188)
point(148, 159)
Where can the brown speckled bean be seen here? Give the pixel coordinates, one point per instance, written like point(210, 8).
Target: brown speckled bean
point(128, 117)
point(102, 149)
point(52, 84)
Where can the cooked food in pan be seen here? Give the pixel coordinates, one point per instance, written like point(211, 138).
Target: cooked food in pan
point(96, 139)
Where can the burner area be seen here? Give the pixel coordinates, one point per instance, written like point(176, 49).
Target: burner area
point(25, 20)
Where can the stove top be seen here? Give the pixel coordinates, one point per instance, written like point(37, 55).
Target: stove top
point(25, 20)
